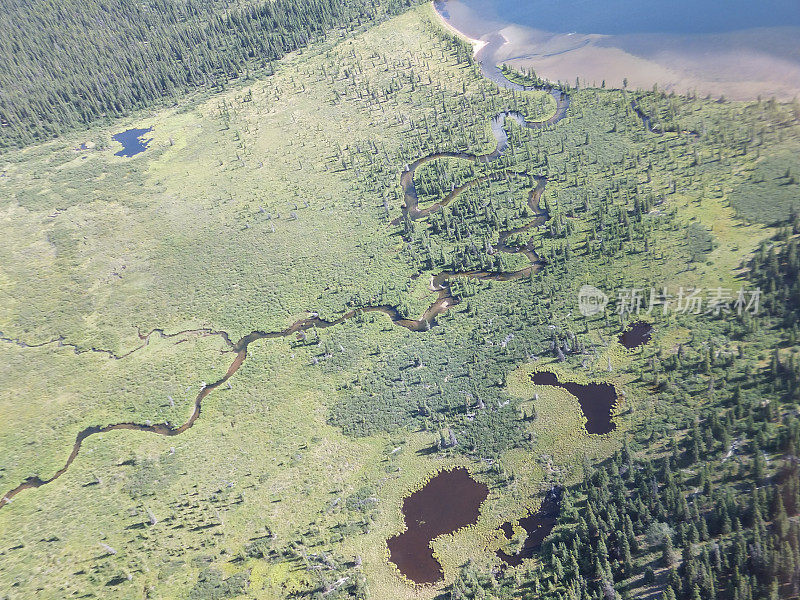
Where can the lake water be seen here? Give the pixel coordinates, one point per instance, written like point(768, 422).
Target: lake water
point(733, 48)
point(132, 141)
point(636, 334)
point(597, 400)
point(537, 527)
point(618, 17)
point(446, 503)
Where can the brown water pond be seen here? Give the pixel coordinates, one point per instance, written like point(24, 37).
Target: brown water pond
point(597, 400)
point(637, 334)
point(448, 502)
point(537, 526)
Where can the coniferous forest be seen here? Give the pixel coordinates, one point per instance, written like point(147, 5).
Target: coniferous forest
point(64, 65)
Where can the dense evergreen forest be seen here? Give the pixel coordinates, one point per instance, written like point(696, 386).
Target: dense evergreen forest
point(64, 65)
point(698, 504)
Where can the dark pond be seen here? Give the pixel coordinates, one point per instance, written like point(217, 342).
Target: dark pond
point(537, 526)
point(448, 502)
point(637, 334)
point(596, 400)
point(132, 141)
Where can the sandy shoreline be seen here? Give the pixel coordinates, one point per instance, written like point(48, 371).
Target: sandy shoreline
point(477, 45)
point(738, 65)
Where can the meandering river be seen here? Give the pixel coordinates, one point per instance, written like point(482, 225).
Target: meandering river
point(439, 283)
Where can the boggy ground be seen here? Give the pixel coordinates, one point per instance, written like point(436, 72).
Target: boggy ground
point(250, 209)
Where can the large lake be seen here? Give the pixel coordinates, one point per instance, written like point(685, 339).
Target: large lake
point(738, 49)
point(617, 17)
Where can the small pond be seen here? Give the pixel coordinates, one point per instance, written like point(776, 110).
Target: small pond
point(448, 502)
point(597, 400)
point(537, 526)
point(637, 334)
point(132, 141)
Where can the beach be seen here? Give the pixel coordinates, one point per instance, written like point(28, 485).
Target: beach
point(477, 45)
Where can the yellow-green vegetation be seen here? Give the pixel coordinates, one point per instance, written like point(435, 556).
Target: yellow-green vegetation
point(274, 200)
point(65, 392)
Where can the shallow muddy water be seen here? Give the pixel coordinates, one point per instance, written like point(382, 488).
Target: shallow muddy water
point(619, 17)
point(736, 49)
